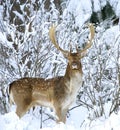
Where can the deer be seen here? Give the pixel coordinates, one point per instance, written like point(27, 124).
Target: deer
point(57, 93)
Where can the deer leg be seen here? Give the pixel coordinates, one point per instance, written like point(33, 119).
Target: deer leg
point(20, 111)
point(61, 114)
point(64, 113)
point(23, 107)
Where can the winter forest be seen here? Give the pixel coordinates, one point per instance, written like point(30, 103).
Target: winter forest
point(26, 51)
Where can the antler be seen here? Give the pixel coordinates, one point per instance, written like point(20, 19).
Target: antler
point(92, 33)
point(88, 45)
point(53, 39)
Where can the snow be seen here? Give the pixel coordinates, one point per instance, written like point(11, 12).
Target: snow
point(19, 15)
point(112, 123)
point(11, 121)
point(116, 5)
point(81, 10)
point(78, 119)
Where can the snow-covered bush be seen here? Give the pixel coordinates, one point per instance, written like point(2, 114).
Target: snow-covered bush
point(26, 51)
point(101, 74)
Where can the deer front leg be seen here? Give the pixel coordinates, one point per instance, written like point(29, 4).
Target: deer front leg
point(61, 114)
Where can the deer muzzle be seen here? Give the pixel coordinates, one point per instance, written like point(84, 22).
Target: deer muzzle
point(74, 65)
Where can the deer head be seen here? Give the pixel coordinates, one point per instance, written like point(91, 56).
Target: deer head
point(57, 93)
point(73, 58)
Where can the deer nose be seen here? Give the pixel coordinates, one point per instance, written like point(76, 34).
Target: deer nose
point(74, 65)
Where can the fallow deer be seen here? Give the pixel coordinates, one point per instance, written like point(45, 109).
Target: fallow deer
point(57, 93)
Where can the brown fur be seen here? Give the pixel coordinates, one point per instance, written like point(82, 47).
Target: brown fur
point(27, 92)
point(57, 93)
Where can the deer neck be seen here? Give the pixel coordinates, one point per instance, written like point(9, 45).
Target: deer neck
point(73, 79)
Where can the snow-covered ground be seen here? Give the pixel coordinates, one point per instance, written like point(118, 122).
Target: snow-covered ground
point(10, 121)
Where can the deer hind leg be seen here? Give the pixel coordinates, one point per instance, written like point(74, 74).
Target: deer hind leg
point(61, 114)
point(23, 107)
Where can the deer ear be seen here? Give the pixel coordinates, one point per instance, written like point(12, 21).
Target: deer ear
point(83, 54)
point(66, 55)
